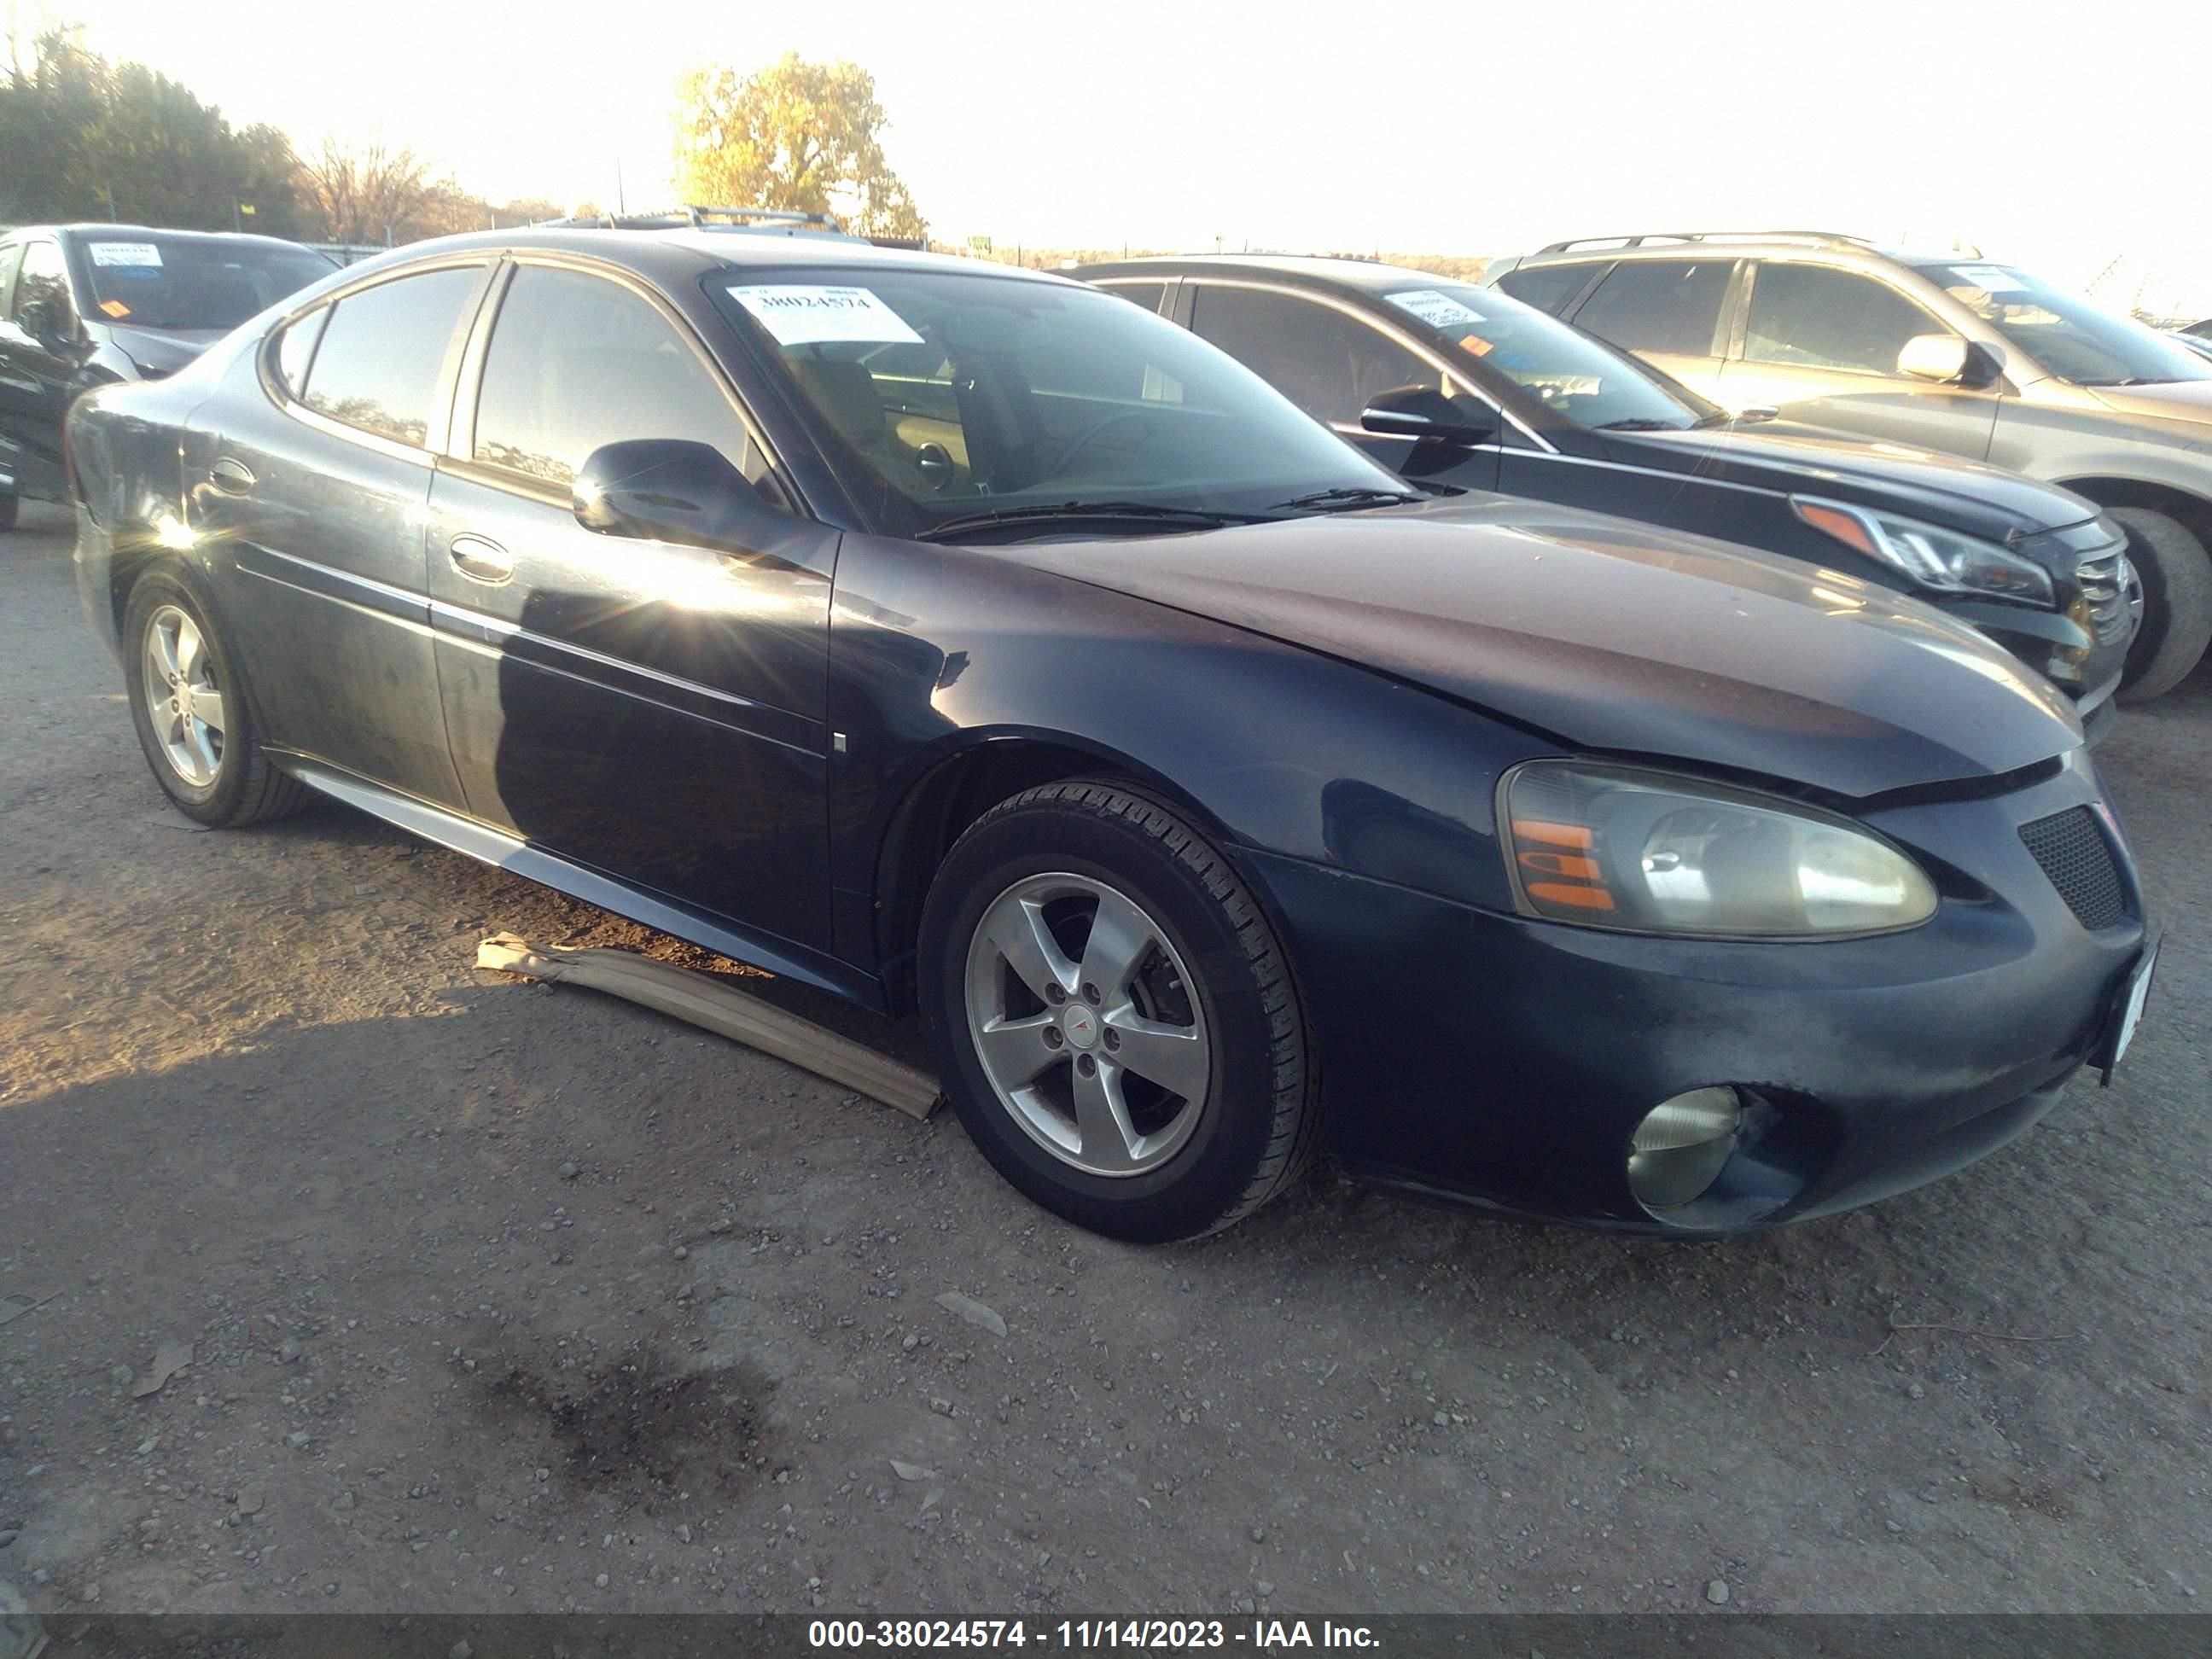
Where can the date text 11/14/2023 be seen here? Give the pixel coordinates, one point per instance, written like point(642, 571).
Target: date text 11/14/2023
point(1164, 1635)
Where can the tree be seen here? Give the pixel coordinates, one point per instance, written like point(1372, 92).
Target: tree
point(800, 135)
point(121, 142)
point(366, 193)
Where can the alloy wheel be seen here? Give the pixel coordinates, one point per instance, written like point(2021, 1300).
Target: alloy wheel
point(1087, 1024)
point(182, 696)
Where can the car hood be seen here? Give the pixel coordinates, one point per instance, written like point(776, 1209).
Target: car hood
point(162, 350)
point(1797, 460)
point(2171, 400)
point(1609, 636)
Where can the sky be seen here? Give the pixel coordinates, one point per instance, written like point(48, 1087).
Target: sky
point(2052, 135)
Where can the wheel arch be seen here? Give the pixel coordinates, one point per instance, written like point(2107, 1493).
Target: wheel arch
point(959, 789)
point(2193, 512)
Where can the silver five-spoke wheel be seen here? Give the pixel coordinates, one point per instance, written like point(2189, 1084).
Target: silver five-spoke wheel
point(1086, 1025)
point(182, 696)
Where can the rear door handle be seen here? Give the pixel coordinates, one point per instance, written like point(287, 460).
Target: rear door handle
point(232, 478)
point(481, 561)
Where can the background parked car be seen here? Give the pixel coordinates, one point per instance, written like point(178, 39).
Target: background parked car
point(84, 305)
point(1951, 353)
point(2199, 343)
point(1449, 384)
point(951, 637)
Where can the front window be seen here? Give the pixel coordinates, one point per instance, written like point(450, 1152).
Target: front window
point(149, 281)
point(1330, 364)
point(942, 394)
point(1817, 317)
point(1571, 375)
point(2068, 336)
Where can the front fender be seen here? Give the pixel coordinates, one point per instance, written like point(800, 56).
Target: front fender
point(938, 651)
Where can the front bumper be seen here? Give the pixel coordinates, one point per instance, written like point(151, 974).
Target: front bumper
point(2080, 653)
point(1506, 1061)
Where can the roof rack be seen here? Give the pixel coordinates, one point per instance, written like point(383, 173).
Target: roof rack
point(772, 221)
point(1813, 238)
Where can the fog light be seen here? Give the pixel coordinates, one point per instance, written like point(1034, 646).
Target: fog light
point(1680, 1148)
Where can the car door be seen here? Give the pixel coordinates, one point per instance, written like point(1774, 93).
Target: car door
point(1669, 311)
point(313, 495)
point(39, 363)
point(651, 711)
point(1330, 360)
point(1820, 344)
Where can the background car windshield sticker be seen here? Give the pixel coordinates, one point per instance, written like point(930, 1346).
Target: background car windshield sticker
point(798, 315)
point(1990, 279)
point(141, 255)
point(1436, 310)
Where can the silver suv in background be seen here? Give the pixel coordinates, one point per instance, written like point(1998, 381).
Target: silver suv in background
point(1954, 354)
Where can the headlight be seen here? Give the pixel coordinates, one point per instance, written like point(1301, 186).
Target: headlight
point(1932, 557)
point(1615, 848)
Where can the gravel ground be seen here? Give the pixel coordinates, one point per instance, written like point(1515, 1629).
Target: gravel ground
point(504, 1298)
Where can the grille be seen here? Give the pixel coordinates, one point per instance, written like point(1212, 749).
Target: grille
point(2076, 855)
point(2105, 584)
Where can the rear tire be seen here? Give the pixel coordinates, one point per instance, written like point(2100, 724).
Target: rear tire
point(1153, 1081)
point(195, 715)
point(7, 512)
point(2176, 571)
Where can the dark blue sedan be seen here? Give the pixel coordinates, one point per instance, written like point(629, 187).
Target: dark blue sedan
point(967, 640)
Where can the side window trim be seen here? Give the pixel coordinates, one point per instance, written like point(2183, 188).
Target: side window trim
point(1881, 279)
point(11, 261)
point(272, 381)
point(31, 245)
point(1598, 270)
point(1405, 342)
point(457, 454)
point(1112, 284)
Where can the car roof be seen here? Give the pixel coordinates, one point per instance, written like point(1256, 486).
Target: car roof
point(660, 252)
point(112, 233)
point(1719, 244)
point(1318, 270)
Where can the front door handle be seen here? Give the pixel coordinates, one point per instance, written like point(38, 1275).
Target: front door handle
point(481, 561)
point(232, 478)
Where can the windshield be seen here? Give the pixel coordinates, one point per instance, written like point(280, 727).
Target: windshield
point(943, 395)
point(168, 281)
point(1572, 375)
point(2070, 337)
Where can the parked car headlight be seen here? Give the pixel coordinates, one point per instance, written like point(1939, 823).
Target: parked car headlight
point(1617, 848)
point(1929, 555)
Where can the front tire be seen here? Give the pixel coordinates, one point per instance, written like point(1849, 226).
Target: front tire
point(195, 718)
point(2176, 572)
point(8, 506)
point(1116, 1021)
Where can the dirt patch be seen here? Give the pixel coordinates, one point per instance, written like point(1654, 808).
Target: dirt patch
point(641, 1417)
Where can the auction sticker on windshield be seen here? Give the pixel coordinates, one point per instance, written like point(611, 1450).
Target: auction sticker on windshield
point(1436, 310)
point(798, 315)
point(1990, 279)
point(126, 253)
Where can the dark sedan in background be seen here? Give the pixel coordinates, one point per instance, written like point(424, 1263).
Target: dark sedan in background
point(1465, 386)
point(965, 638)
point(82, 305)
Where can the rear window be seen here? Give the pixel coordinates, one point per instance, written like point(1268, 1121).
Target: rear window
point(1547, 288)
point(377, 366)
point(1659, 305)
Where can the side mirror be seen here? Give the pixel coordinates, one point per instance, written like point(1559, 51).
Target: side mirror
point(1946, 360)
point(1423, 412)
point(665, 490)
